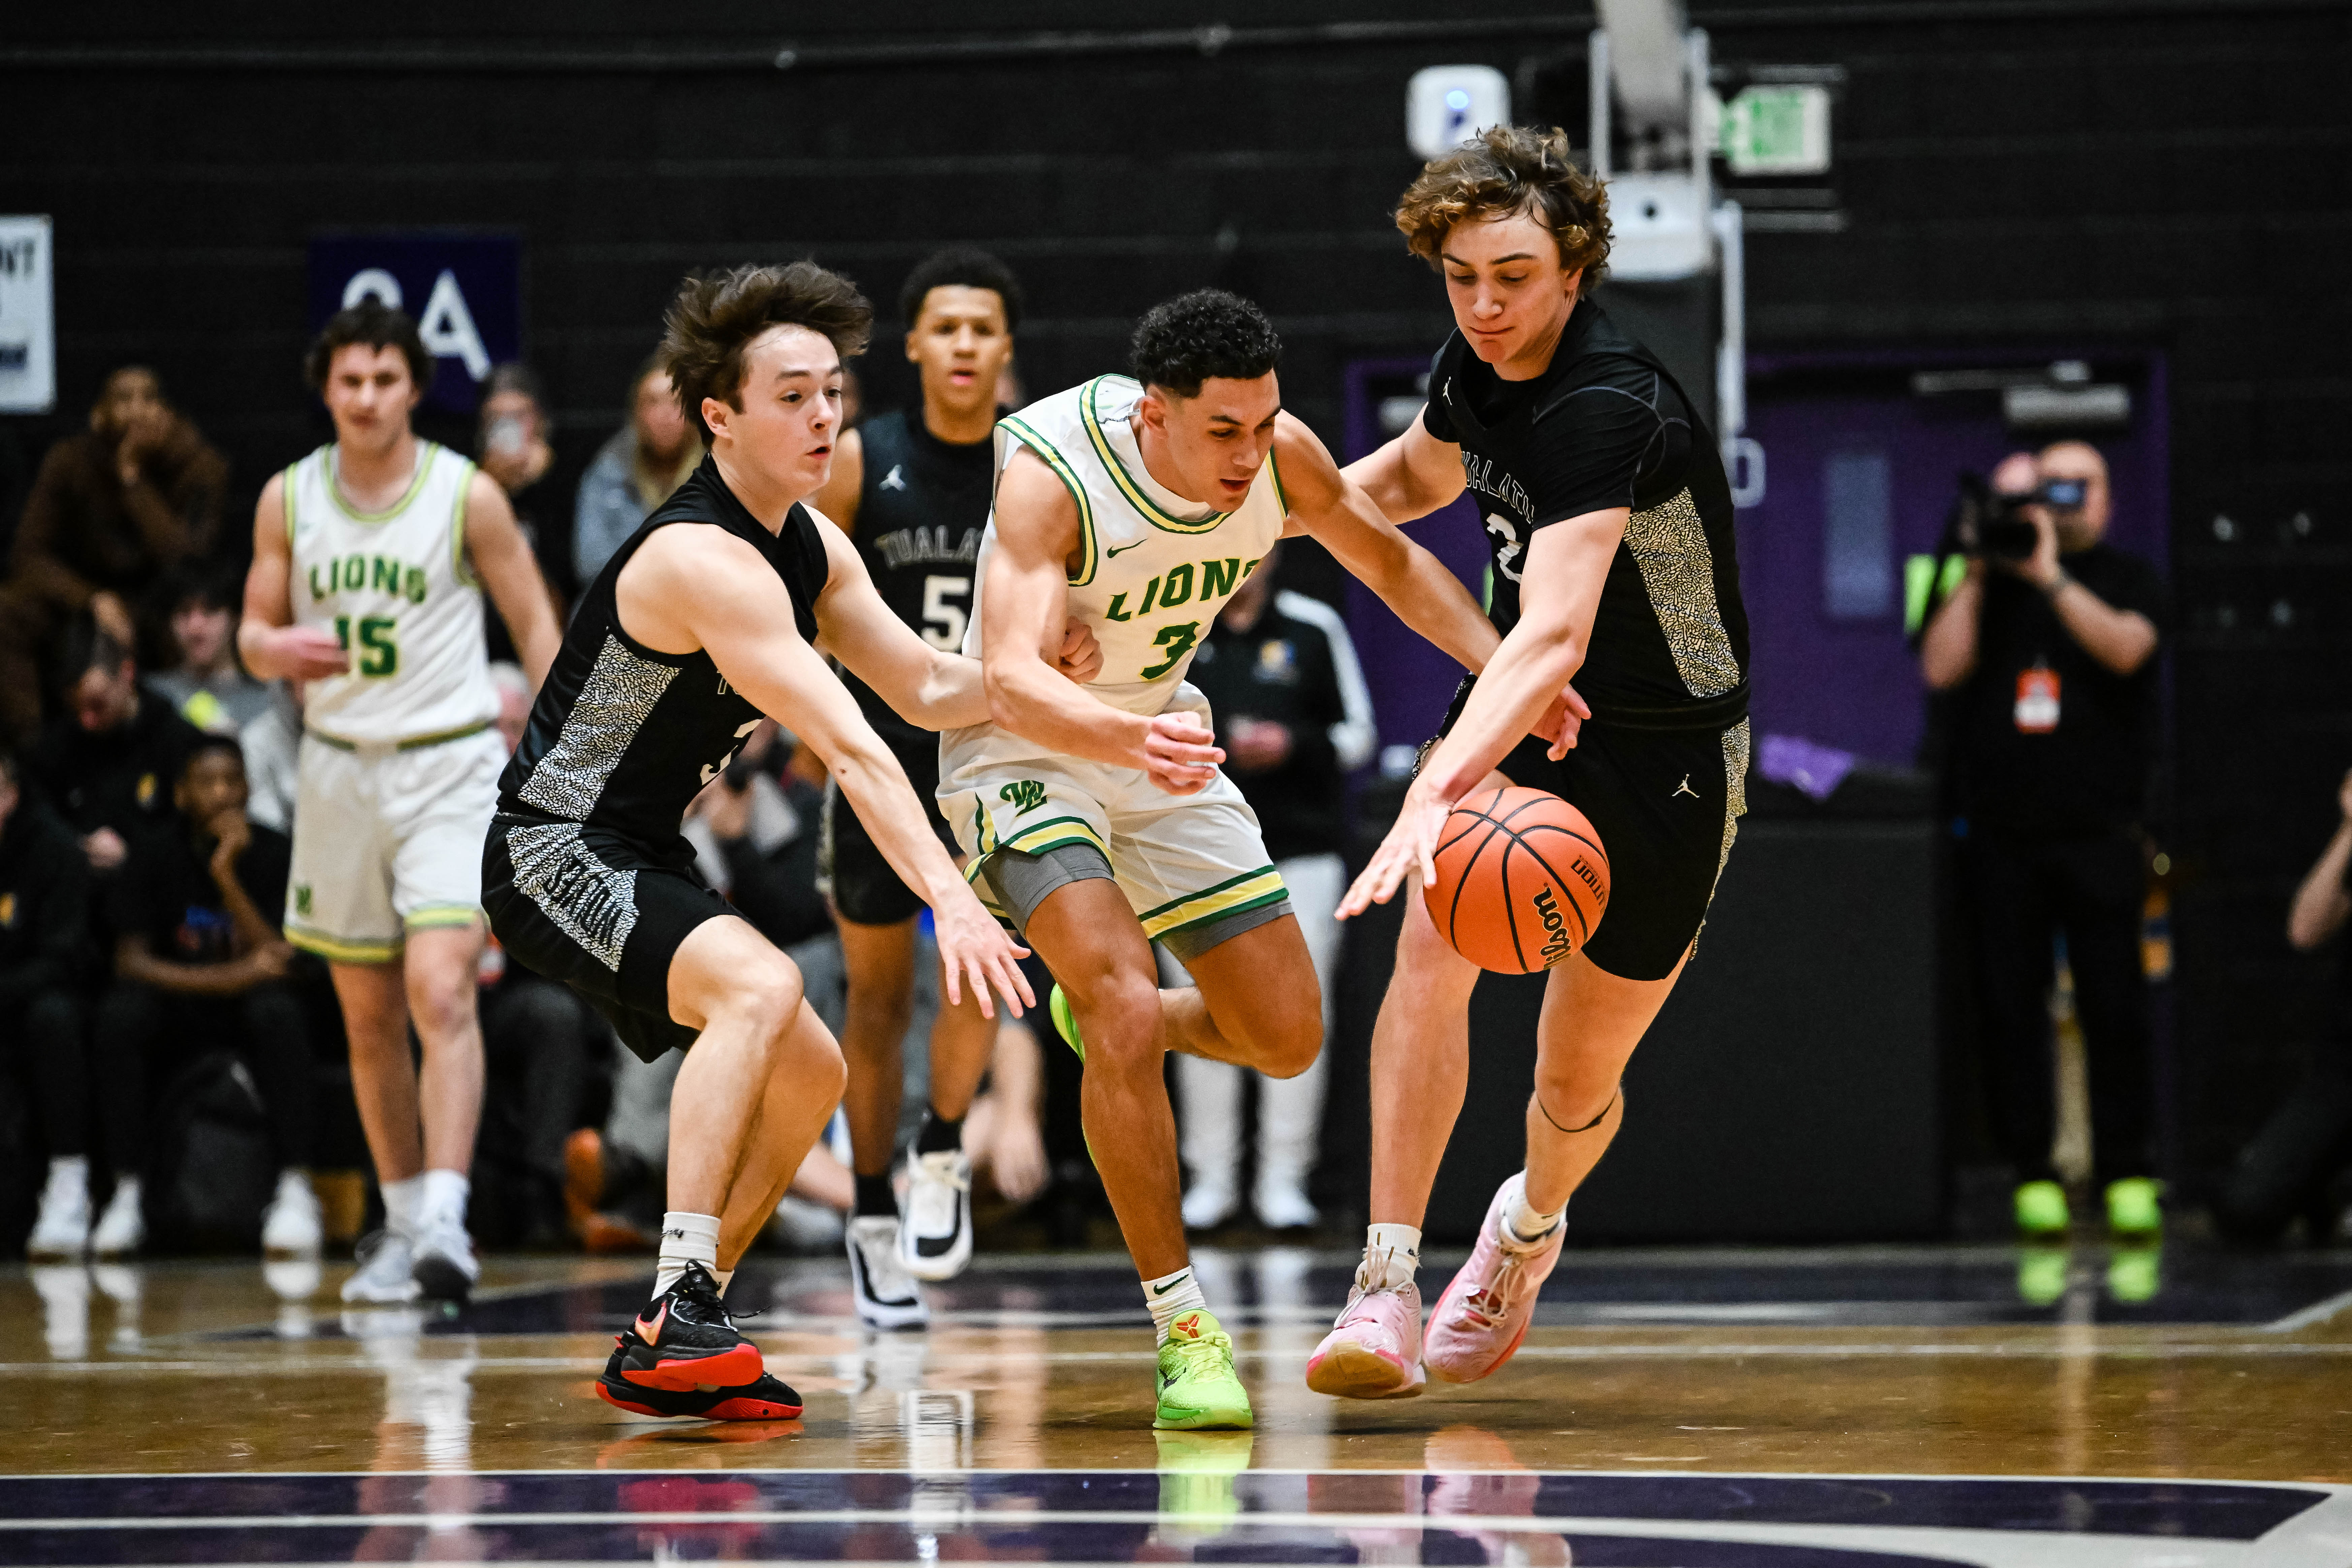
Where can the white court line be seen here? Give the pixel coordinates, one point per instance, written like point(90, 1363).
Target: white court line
point(2312, 1316)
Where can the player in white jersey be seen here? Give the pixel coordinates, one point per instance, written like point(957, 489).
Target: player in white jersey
point(368, 562)
point(1096, 817)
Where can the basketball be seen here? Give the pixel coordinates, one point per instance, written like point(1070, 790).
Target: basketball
point(1522, 880)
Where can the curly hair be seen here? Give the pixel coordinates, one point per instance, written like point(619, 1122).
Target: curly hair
point(716, 315)
point(1199, 336)
point(378, 326)
point(1503, 171)
point(961, 267)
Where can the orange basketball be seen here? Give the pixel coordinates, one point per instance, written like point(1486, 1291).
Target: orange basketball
point(1522, 880)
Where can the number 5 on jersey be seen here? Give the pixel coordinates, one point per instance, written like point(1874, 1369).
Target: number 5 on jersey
point(379, 647)
point(943, 622)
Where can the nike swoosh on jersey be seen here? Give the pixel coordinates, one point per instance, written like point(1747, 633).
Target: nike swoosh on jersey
point(1121, 550)
point(650, 1330)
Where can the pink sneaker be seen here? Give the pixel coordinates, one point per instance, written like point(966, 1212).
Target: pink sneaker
point(1375, 1352)
point(1485, 1313)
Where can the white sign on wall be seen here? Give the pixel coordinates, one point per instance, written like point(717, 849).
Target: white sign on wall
point(28, 328)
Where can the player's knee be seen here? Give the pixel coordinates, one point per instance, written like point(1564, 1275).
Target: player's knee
point(885, 1010)
point(767, 997)
point(1291, 1037)
point(442, 1010)
point(1574, 1093)
point(813, 1062)
point(1120, 1017)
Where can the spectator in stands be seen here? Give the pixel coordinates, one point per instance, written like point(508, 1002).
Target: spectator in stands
point(207, 685)
point(544, 1050)
point(2050, 661)
point(514, 700)
point(633, 472)
point(2290, 1168)
point(755, 835)
point(200, 962)
point(43, 926)
point(1294, 718)
point(112, 509)
point(512, 440)
point(106, 765)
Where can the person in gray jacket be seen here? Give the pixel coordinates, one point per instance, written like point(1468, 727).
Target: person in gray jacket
point(633, 473)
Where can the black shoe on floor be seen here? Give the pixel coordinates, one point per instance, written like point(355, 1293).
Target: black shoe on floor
point(685, 1340)
point(761, 1399)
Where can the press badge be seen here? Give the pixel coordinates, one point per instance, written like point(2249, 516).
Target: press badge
point(2037, 701)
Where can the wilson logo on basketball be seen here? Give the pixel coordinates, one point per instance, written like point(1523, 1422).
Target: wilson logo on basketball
point(1555, 943)
point(1522, 880)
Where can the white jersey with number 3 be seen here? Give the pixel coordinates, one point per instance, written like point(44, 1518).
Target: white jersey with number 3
point(395, 589)
point(1153, 568)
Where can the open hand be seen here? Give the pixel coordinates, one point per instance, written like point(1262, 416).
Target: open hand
point(1181, 754)
point(1081, 656)
point(105, 849)
point(1409, 847)
point(972, 945)
point(1562, 722)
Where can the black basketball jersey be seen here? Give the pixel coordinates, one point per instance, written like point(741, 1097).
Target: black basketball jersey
point(922, 509)
point(623, 738)
point(1606, 426)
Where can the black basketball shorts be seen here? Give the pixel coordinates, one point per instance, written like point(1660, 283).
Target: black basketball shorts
point(1666, 803)
point(592, 911)
point(851, 869)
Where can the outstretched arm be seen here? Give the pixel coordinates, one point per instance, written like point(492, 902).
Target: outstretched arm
point(1024, 608)
point(502, 559)
point(689, 588)
point(1327, 506)
point(1343, 519)
point(1559, 594)
point(1412, 475)
point(924, 685)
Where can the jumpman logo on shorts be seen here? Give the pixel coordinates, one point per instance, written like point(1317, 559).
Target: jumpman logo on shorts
point(1684, 789)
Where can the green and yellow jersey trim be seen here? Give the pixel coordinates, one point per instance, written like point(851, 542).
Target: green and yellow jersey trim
point(432, 916)
point(340, 950)
point(459, 566)
point(326, 456)
point(1054, 460)
point(1250, 891)
point(1150, 510)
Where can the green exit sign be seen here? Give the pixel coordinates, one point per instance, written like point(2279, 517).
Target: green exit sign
point(1778, 129)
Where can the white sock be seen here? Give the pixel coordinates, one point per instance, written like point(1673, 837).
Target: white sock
point(1525, 1226)
point(402, 1199)
point(1391, 1253)
point(444, 1201)
point(69, 1173)
point(1172, 1296)
point(292, 1177)
point(126, 1192)
point(686, 1238)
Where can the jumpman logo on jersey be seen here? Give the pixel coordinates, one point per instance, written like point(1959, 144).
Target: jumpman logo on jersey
point(1684, 789)
point(896, 480)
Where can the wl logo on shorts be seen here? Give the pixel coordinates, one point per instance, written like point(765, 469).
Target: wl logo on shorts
point(302, 899)
point(1024, 796)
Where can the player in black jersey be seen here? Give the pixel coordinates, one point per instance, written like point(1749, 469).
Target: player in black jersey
point(719, 610)
point(1610, 525)
point(913, 489)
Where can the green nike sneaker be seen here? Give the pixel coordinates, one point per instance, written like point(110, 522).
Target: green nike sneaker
point(1066, 1021)
point(2135, 1273)
point(1198, 1385)
point(2041, 1209)
point(2135, 1206)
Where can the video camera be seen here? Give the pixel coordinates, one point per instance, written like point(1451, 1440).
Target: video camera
point(1987, 523)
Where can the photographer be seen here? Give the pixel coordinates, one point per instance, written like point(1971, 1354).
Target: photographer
point(2048, 648)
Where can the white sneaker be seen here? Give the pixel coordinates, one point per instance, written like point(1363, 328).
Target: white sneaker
point(935, 1239)
point(293, 1225)
point(62, 1231)
point(122, 1228)
point(387, 1272)
point(886, 1297)
point(446, 1268)
point(1208, 1205)
point(1284, 1205)
point(800, 1226)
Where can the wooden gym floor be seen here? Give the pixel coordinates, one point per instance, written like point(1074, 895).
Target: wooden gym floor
point(1844, 1406)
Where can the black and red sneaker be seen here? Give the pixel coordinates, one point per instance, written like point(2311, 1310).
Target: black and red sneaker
point(761, 1399)
point(685, 1340)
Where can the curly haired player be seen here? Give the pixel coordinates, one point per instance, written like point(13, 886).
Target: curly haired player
point(1610, 526)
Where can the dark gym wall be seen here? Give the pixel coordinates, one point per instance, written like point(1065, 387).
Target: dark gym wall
point(2159, 173)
